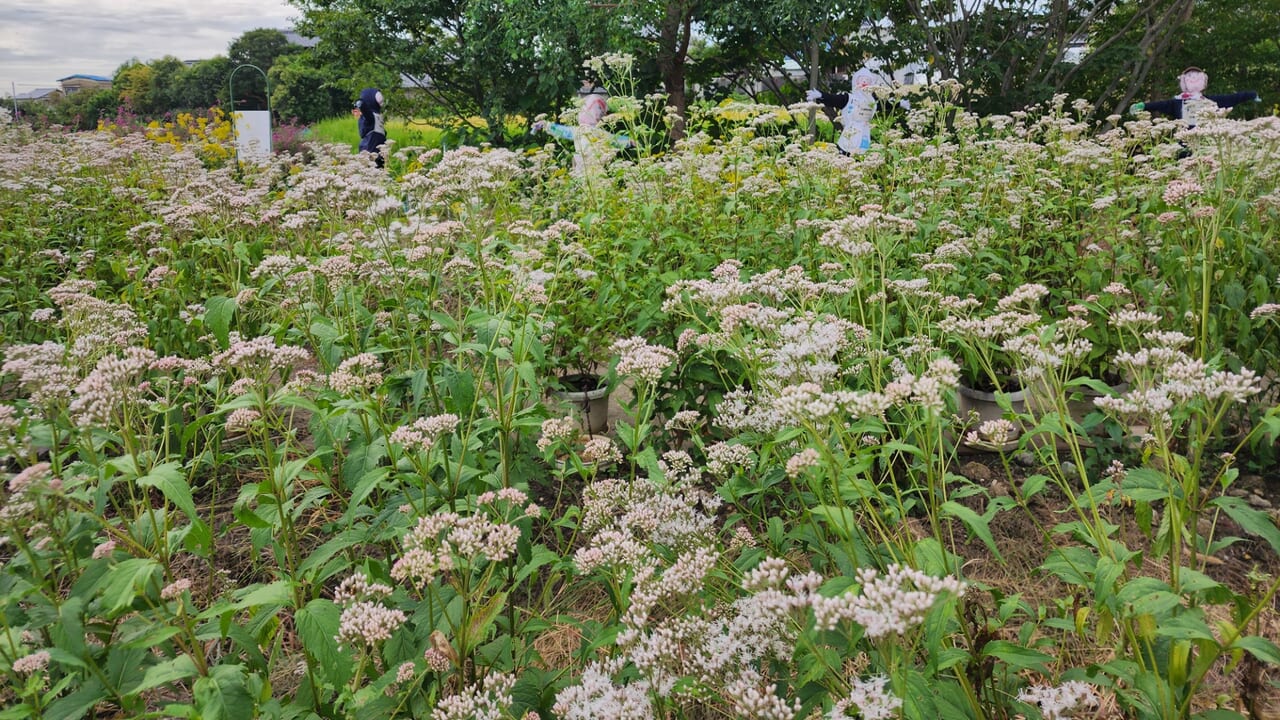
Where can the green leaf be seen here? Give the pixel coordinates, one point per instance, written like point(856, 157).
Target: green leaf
point(278, 593)
point(218, 312)
point(1251, 519)
point(128, 581)
point(837, 517)
point(343, 540)
point(485, 616)
point(1016, 656)
point(540, 557)
point(223, 695)
point(1149, 485)
point(178, 668)
point(77, 704)
point(1259, 647)
point(172, 483)
point(977, 524)
point(1073, 565)
point(317, 627)
point(124, 668)
point(68, 632)
point(1185, 626)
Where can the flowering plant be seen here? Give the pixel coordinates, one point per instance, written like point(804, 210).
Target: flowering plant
point(987, 343)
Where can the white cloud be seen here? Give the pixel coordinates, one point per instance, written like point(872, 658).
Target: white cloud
point(43, 40)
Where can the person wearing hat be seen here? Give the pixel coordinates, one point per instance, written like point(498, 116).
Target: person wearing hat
point(368, 110)
point(1191, 103)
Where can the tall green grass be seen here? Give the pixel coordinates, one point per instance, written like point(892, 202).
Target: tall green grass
point(345, 131)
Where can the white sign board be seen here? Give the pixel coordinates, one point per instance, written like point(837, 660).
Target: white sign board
point(253, 134)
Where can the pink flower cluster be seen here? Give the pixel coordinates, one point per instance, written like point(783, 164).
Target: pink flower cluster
point(444, 541)
point(425, 432)
point(359, 373)
point(33, 663)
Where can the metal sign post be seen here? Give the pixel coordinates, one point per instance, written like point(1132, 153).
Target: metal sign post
point(252, 127)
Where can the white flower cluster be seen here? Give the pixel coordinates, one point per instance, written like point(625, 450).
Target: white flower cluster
point(724, 458)
point(1165, 378)
point(893, 603)
point(365, 623)
point(641, 360)
point(871, 699)
point(597, 696)
point(33, 663)
point(992, 432)
point(491, 700)
point(112, 388)
point(556, 430)
point(1061, 702)
point(260, 355)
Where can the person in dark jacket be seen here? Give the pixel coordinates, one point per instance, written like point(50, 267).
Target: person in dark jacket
point(368, 110)
point(1191, 103)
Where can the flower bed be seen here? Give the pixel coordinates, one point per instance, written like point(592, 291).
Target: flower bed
point(278, 439)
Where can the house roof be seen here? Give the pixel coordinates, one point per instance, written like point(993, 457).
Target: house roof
point(297, 38)
point(78, 76)
point(37, 94)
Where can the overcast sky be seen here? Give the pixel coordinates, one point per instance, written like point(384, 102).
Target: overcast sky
point(43, 40)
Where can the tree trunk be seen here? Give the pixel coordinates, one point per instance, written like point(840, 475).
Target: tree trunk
point(813, 83)
point(673, 50)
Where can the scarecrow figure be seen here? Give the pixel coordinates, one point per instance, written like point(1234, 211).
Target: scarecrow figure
point(1191, 103)
point(858, 107)
point(368, 110)
point(595, 105)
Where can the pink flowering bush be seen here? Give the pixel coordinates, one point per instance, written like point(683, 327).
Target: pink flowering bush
point(275, 440)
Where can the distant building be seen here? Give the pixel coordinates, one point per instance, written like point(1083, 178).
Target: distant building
point(75, 83)
point(297, 38)
point(415, 84)
point(42, 94)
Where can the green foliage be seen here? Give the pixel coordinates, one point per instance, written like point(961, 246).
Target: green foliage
point(260, 48)
point(305, 92)
point(281, 443)
point(203, 84)
point(473, 58)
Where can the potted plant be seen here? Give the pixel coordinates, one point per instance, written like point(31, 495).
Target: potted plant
point(991, 385)
point(580, 337)
point(586, 393)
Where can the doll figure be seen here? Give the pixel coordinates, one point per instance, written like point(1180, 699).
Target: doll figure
point(858, 107)
point(595, 105)
point(368, 111)
point(1192, 103)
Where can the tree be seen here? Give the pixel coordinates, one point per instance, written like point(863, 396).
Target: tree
point(1010, 53)
point(259, 48)
point(662, 30)
point(758, 37)
point(1123, 49)
point(204, 84)
point(301, 90)
point(1250, 31)
point(166, 74)
point(486, 58)
point(133, 81)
